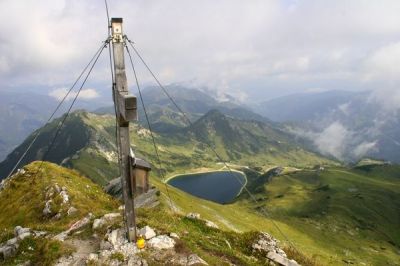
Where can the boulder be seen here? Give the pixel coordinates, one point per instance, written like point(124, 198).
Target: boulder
point(193, 215)
point(97, 223)
point(275, 257)
point(268, 245)
point(161, 242)
point(174, 235)
point(105, 245)
point(72, 210)
point(47, 208)
point(147, 232)
point(8, 251)
point(117, 237)
point(194, 259)
point(74, 227)
point(64, 195)
point(18, 230)
point(93, 257)
point(211, 224)
point(12, 241)
point(111, 216)
point(24, 235)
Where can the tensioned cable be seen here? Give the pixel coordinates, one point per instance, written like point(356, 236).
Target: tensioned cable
point(59, 127)
point(54, 112)
point(189, 122)
point(150, 129)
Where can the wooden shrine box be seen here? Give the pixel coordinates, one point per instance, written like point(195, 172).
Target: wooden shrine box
point(140, 173)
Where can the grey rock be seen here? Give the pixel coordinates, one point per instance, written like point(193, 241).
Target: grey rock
point(39, 233)
point(74, 227)
point(111, 216)
point(193, 215)
point(64, 195)
point(20, 230)
point(147, 232)
point(12, 241)
point(47, 208)
point(161, 242)
point(136, 261)
point(72, 210)
point(23, 236)
point(93, 257)
point(97, 223)
point(174, 235)
point(105, 245)
point(211, 224)
point(275, 257)
point(194, 259)
point(117, 237)
point(8, 251)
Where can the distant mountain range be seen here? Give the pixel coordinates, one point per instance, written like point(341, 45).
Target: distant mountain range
point(345, 125)
point(20, 115)
point(87, 143)
point(339, 124)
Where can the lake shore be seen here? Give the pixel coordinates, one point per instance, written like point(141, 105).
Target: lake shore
point(212, 171)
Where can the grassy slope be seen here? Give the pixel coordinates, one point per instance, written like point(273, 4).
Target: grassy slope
point(87, 143)
point(335, 215)
point(22, 202)
point(195, 237)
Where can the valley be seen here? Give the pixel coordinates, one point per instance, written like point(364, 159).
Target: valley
point(332, 213)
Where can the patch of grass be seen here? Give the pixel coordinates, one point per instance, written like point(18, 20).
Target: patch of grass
point(300, 257)
point(39, 251)
point(117, 256)
point(23, 199)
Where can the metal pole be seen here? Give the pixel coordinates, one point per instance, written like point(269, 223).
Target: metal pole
point(126, 111)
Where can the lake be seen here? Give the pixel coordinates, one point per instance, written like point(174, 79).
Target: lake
point(220, 186)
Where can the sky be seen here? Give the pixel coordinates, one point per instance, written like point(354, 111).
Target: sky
point(253, 50)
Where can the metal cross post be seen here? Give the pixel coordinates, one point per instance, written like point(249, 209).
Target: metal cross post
point(126, 107)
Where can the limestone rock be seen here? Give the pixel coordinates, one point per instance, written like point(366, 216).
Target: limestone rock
point(117, 237)
point(23, 236)
point(275, 257)
point(211, 224)
point(174, 235)
point(107, 218)
point(268, 245)
point(194, 259)
point(161, 242)
point(8, 251)
point(12, 241)
point(64, 195)
point(18, 230)
point(105, 245)
point(47, 208)
point(72, 210)
point(97, 223)
point(193, 215)
point(147, 232)
point(111, 216)
point(77, 225)
point(93, 257)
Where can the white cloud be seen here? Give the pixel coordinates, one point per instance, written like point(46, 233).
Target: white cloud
point(268, 44)
point(85, 94)
point(333, 140)
point(363, 148)
point(383, 64)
